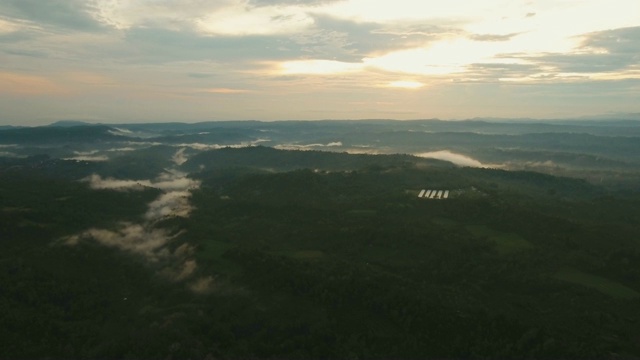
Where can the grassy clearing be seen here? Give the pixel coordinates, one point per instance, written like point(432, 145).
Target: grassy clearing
point(413, 193)
point(302, 254)
point(446, 222)
point(362, 213)
point(599, 283)
point(211, 253)
point(505, 242)
point(401, 256)
point(14, 209)
point(308, 254)
point(213, 250)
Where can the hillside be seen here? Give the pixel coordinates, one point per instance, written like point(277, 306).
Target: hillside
point(306, 254)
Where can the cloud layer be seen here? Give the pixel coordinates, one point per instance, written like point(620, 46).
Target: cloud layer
point(314, 59)
point(458, 159)
point(146, 238)
point(174, 181)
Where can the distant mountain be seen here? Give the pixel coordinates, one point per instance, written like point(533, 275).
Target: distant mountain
point(183, 127)
point(267, 158)
point(48, 135)
point(613, 116)
point(70, 123)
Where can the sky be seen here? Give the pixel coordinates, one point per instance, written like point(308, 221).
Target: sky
point(115, 61)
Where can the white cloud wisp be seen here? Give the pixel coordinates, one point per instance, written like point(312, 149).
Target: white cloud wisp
point(147, 239)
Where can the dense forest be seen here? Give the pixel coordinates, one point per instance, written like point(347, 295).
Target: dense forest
point(255, 252)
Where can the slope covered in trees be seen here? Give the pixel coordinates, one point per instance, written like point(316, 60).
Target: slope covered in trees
point(312, 263)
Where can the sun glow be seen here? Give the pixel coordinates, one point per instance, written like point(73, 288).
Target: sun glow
point(318, 67)
point(406, 84)
point(6, 27)
point(269, 20)
point(441, 58)
point(225, 91)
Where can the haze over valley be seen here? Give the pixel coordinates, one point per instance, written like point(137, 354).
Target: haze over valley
point(319, 179)
point(321, 239)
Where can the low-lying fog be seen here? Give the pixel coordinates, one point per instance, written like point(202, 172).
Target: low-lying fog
point(458, 159)
point(145, 237)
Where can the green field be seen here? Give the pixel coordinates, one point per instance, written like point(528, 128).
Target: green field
point(212, 249)
point(446, 222)
point(363, 213)
point(599, 283)
point(336, 264)
point(505, 242)
point(211, 254)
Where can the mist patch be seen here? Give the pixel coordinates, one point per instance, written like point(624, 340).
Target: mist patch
point(170, 181)
point(179, 157)
point(147, 239)
point(455, 158)
point(307, 146)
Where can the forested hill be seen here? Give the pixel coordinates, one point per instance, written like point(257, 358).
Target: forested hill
point(153, 246)
point(273, 159)
point(54, 134)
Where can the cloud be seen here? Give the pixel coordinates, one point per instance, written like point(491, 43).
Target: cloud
point(183, 251)
point(174, 181)
point(122, 149)
point(151, 243)
point(18, 37)
point(307, 146)
point(201, 146)
point(97, 182)
point(307, 59)
point(28, 85)
point(619, 41)
point(174, 203)
point(165, 45)
point(202, 285)
point(67, 14)
point(406, 84)
point(610, 51)
point(225, 91)
point(319, 67)
point(186, 269)
point(97, 158)
point(174, 14)
point(446, 155)
point(291, 2)
point(492, 37)
point(179, 158)
point(333, 38)
point(147, 239)
point(120, 132)
point(7, 26)
point(134, 238)
point(10, 154)
point(200, 75)
point(584, 63)
point(175, 184)
point(90, 152)
point(263, 20)
point(364, 151)
point(494, 72)
point(323, 36)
